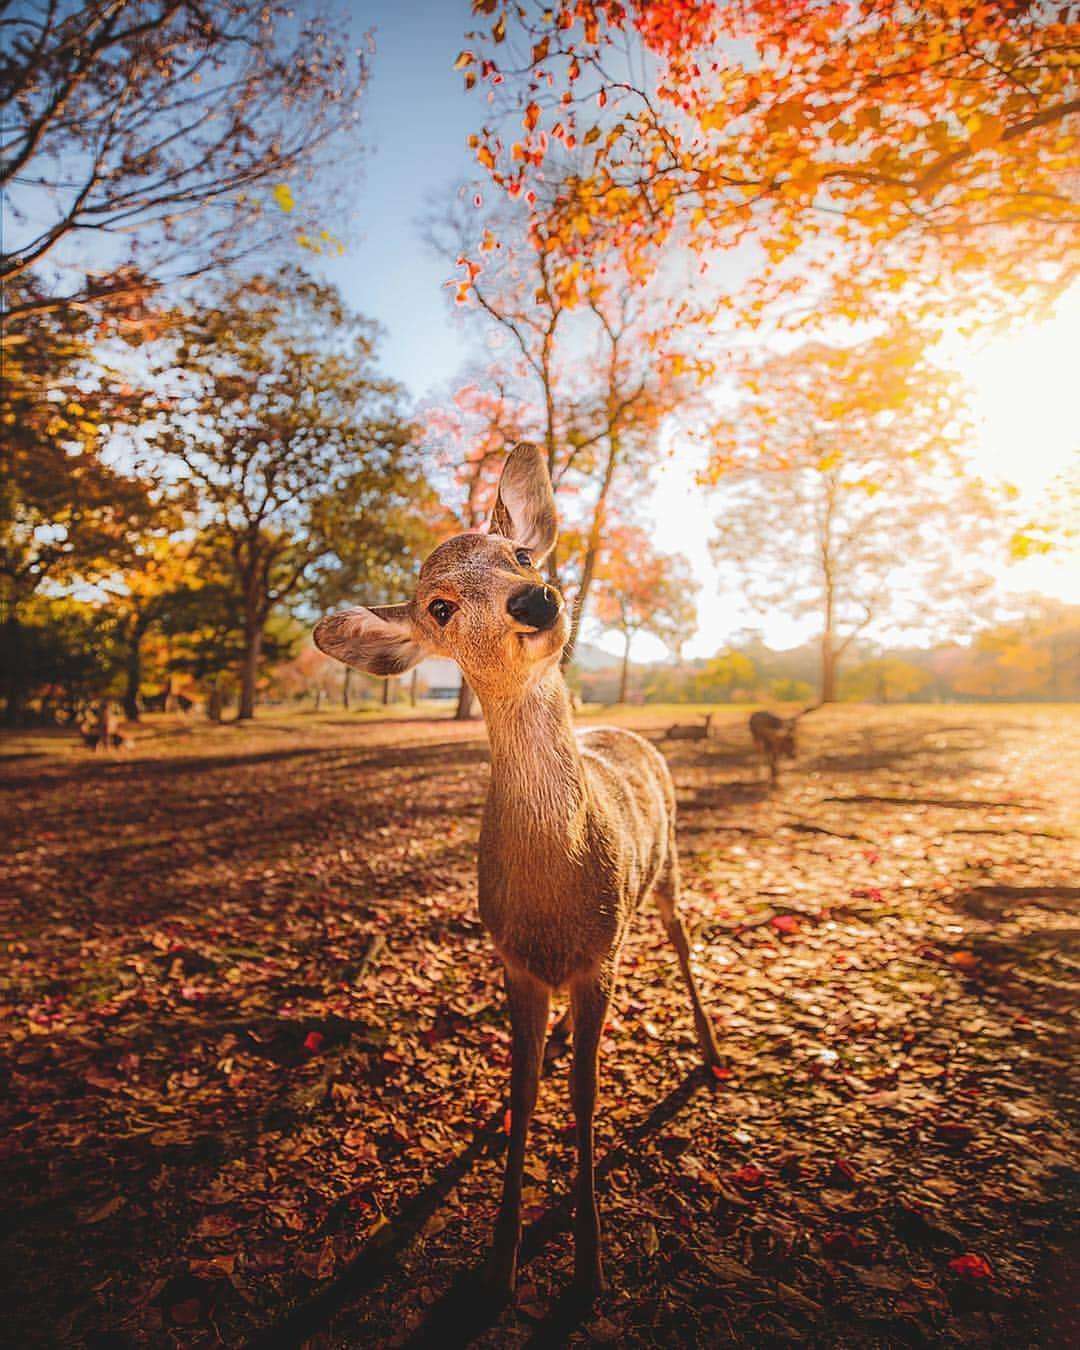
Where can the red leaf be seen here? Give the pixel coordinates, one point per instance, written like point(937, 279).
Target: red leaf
point(971, 1265)
point(840, 1246)
point(785, 923)
point(719, 1072)
point(749, 1176)
point(313, 1041)
point(843, 1174)
point(951, 1132)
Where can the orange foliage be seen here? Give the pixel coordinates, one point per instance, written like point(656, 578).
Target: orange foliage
point(914, 148)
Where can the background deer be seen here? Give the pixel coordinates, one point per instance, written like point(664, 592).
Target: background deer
point(576, 832)
point(776, 737)
point(690, 731)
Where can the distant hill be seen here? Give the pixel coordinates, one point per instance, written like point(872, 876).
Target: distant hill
point(588, 657)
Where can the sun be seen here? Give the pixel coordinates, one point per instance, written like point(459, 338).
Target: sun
point(1025, 399)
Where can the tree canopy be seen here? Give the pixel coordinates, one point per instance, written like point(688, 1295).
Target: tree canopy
point(162, 136)
point(927, 149)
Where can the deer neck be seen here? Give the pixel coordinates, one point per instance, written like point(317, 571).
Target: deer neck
point(538, 788)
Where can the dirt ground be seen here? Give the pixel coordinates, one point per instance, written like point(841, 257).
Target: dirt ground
point(255, 1051)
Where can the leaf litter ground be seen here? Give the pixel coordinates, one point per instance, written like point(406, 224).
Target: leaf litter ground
point(256, 1054)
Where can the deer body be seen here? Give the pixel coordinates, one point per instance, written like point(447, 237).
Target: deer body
point(690, 731)
point(577, 828)
point(775, 737)
point(575, 833)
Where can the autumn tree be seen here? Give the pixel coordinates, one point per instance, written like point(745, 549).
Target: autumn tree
point(469, 432)
point(161, 572)
point(843, 494)
point(1036, 656)
point(168, 132)
point(600, 373)
point(68, 512)
point(640, 590)
point(723, 675)
point(280, 420)
point(884, 679)
point(886, 146)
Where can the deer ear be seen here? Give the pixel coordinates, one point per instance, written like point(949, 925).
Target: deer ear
point(525, 506)
point(381, 640)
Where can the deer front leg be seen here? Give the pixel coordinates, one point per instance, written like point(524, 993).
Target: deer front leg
point(589, 1000)
point(529, 1006)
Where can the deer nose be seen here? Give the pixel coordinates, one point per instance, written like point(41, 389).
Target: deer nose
point(538, 606)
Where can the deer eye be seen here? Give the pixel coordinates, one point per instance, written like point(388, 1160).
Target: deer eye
point(523, 556)
point(441, 611)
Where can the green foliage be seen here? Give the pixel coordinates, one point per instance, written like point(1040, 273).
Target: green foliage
point(885, 680)
point(298, 448)
point(69, 653)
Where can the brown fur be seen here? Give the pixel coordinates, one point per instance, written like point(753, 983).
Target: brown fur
point(577, 829)
point(689, 731)
point(775, 737)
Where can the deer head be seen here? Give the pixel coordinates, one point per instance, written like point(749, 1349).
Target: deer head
point(479, 600)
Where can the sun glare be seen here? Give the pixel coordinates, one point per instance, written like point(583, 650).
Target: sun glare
point(1025, 400)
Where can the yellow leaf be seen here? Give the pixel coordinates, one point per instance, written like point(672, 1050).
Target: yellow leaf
point(985, 131)
point(464, 59)
point(284, 198)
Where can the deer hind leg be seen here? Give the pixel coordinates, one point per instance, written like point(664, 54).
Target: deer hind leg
point(667, 899)
point(529, 1006)
point(589, 999)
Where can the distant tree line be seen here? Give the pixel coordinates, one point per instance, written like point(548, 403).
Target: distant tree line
point(1033, 659)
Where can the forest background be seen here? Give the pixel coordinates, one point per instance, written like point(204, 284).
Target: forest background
point(281, 287)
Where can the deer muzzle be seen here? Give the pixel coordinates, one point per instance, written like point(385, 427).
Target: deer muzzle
point(536, 606)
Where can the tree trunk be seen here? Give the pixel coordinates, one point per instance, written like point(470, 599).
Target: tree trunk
point(412, 687)
point(828, 667)
point(216, 701)
point(386, 692)
point(249, 670)
point(134, 676)
point(828, 635)
point(465, 703)
point(15, 690)
point(592, 550)
point(624, 674)
point(345, 688)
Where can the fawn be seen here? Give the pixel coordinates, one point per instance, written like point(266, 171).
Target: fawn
point(690, 731)
point(775, 737)
point(576, 831)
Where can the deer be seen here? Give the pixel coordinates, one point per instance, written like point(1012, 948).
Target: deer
point(776, 737)
point(690, 731)
point(102, 732)
point(577, 830)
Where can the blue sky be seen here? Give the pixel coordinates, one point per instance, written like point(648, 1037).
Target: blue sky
point(414, 127)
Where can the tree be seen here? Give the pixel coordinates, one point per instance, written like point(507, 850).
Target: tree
point(843, 493)
point(472, 431)
point(68, 655)
point(168, 131)
point(723, 674)
point(597, 379)
point(885, 679)
point(920, 146)
point(161, 571)
point(280, 420)
point(1037, 656)
point(67, 513)
point(642, 591)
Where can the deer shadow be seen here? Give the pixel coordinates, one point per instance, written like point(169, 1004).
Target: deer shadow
point(468, 1307)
